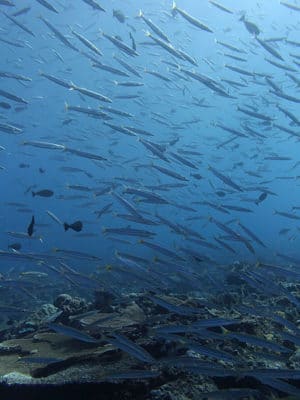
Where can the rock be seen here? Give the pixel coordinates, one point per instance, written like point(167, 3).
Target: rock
point(16, 378)
point(70, 305)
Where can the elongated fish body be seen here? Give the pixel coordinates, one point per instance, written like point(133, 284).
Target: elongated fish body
point(190, 19)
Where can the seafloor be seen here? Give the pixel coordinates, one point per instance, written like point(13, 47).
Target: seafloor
point(238, 343)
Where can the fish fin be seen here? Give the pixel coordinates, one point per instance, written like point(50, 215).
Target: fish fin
point(103, 229)
point(66, 226)
point(66, 106)
point(33, 193)
point(54, 249)
point(147, 33)
point(140, 15)
point(174, 6)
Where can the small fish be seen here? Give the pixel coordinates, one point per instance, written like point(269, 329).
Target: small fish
point(48, 5)
point(189, 18)
point(94, 5)
point(75, 226)
point(72, 333)
point(31, 226)
point(261, 198)
point(43, 193)
point(4, 105)
point(250, 26)
point(15, 246)
point(118, 14)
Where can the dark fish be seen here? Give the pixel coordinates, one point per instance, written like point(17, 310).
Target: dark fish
point(4, 105)
point(15, 246)
point(94, 5)
point(21, 11)
point(16, 22)
point(75, 226)
point(7, 3)
point(13, 97)
point(261, 198)
point(250, 26)
point(269, 48)
point(220, 7)
point(131, 348)
point(48, 5)
point(225, 179)
point(43, 193)
point(119, 15)
point(133, 44)
point(31, 226)
point(58, 34)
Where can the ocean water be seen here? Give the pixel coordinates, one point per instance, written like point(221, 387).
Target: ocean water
point(166, 109)
point(170, 134)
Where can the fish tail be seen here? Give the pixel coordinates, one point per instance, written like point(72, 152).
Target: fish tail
point(174, 6)
point(242, 18)
point(66, 226)
point(66, 106)
point(33, 193)
point(140, 15)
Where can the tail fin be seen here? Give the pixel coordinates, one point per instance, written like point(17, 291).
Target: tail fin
point(140, 15)
point(66, 226)
point(174, 5)
point(33, 193)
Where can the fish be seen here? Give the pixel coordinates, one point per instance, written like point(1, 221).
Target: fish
point(287, 215)
point(118, 14)
point(30, 228)
point(127, 66)
point(121, 45)
point(225, 179)
point(5, 105)
point(75, 226)
point(72, 333)
point(250, 26)
point(189, 18)
point(108, 68)
point(121, 342)
point(13, 97)
point(221, 7)
point(291, 6)
point(19, 24)
point(269, 48)
point(47, 5)
point(43, 193)
point(90, 93)
point(170, 173)
point(62, 38)
point(154, 27)
point(94, 4)
point(262, 197)
point(87, 43)
point(54, 217)
point(15, 246)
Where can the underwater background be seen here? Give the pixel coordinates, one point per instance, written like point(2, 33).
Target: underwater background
point(149, 149)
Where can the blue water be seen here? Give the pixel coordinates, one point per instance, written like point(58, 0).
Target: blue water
point(168, 110)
